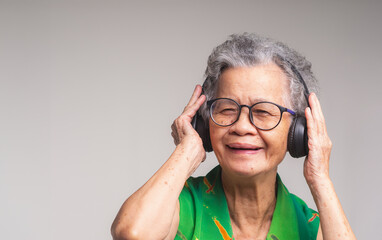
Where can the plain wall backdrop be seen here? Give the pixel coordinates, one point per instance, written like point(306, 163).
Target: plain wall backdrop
point(89, 89)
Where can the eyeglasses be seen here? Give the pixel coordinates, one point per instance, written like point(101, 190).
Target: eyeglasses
point(263, 115)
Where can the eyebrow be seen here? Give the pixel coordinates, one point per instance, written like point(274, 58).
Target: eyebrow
point(256, 100)
point(253, 100)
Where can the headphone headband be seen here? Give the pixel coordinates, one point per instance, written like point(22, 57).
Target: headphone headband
point(299, 77)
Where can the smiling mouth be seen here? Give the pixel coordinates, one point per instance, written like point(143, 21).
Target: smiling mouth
point(253, 149)
point(243, 147)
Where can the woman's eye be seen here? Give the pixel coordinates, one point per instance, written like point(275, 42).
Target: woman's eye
point(228, 111)
point(261, 112)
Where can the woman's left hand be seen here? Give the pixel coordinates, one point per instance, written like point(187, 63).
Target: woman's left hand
point(316, 164)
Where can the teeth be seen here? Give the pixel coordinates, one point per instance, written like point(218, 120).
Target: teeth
point(244, 148)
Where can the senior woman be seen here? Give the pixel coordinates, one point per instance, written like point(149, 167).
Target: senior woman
point(253, 94)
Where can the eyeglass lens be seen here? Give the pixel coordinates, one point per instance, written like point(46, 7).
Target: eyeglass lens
point(225, 112)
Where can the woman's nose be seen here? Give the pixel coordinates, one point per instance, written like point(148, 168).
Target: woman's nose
point(244, 125)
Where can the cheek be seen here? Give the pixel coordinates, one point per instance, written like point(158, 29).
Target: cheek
point(278, 137)
point(216, 136)
point(213, 134)
point(214, 129)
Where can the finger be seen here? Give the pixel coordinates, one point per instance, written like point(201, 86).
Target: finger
point(191, 110)
point(195, 95)
point(312, 103)
point(186, 117)
point(319, 108)
point(174, 132)
point(316, 106)
point(309, 118)
point(312, 130)
point(175, 138)
point(310, 123)
point(174, 128)
point(317, 112)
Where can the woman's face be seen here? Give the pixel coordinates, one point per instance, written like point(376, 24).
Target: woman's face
point(242, 149)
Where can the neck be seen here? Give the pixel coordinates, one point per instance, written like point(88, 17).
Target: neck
point(251, 201)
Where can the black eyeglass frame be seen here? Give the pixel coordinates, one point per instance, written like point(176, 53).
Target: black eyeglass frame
point(281, 108)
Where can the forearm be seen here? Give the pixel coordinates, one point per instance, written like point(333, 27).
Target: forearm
point(334, 223)
point(150, 211)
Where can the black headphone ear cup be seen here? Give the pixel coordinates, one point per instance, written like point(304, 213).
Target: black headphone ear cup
point(298, 138)
point(290, 146)
point(203, 130)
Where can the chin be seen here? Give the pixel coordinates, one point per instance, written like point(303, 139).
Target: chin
point(245, 167)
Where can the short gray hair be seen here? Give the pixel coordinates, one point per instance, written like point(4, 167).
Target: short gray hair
point(246, 50)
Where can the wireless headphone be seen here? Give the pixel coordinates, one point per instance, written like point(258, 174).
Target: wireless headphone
point(297, 136)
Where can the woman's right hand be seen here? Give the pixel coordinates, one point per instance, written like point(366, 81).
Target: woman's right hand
point(155, 206)
point(185, 137)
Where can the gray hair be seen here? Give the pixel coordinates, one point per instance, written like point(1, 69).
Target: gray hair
point(246, 50)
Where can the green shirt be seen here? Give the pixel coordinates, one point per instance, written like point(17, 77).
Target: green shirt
point(204, 212)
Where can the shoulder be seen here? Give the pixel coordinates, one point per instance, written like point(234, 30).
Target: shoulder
point(308, 219)
point(187, 210)
point(309, 214)
point(191, 190)
point(195, 187)
point(302, 221)
point(191, 202)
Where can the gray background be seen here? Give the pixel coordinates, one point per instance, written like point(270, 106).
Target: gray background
point(89, 90)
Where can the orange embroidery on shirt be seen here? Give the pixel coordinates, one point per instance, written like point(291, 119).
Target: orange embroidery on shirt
point(209, 186)
point(314, 216)
point(222, 230)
